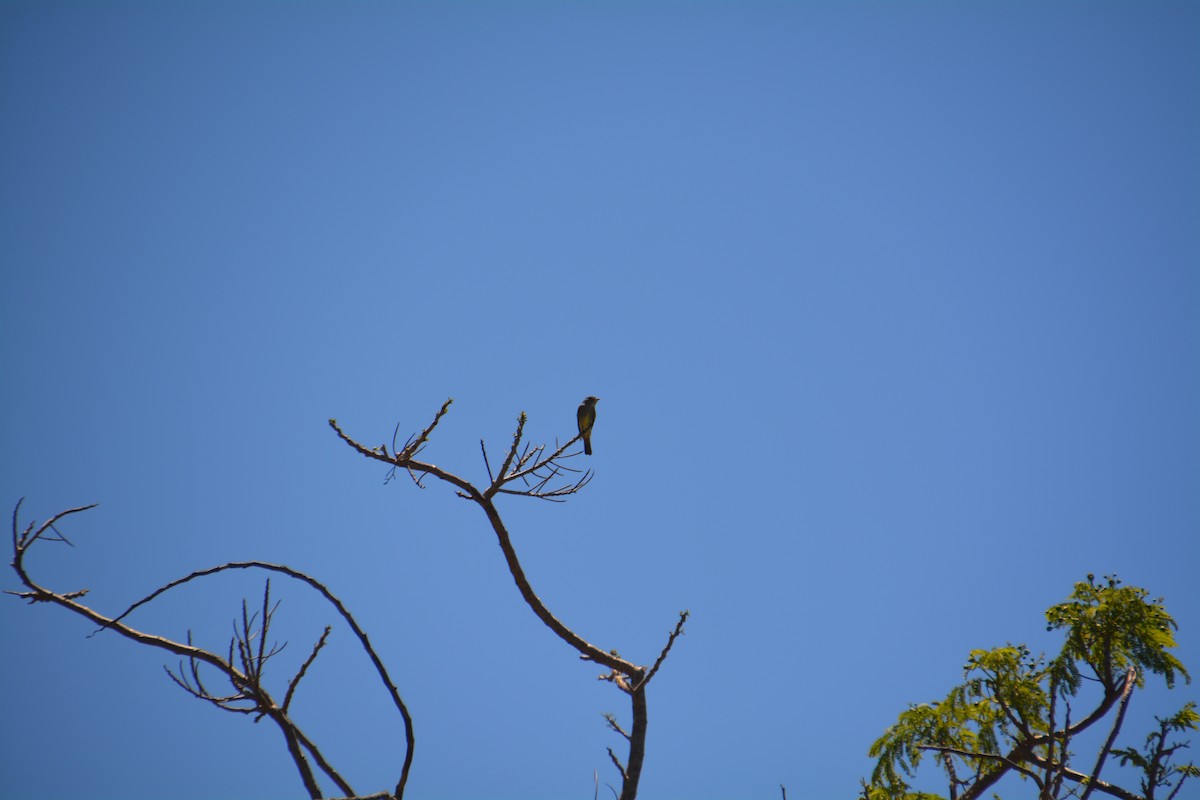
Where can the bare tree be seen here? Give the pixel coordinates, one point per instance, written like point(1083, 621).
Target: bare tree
point(243, 666)
point(529, 471)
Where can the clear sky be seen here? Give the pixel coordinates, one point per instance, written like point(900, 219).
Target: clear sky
point(893, 308)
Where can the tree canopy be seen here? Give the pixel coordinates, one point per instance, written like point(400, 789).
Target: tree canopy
point(1019, 713)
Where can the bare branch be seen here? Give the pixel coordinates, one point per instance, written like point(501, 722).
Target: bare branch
point(255, 694)
point(1111, 696)
point(37, 597)
point(538, 472)
point(512, 452)
point(616, 726)
point(349, 619)
point(1130, 679)
point(287, 698)
point(404, 459)
point(540, 464)
point(267, 611)
point(1060, 769)
point(683, 615)
point(17, 536)
point(412, 448)
point(637, 744)
point(1008, 760)
point(468, 491)
point(486, 463)
point(194, 665)
point(539, 608)
point(23, 540)
point(617, 763)
point(1051, 722)
point(1183, 776)
point(259, 701)
point(534, 470)
point(325, 766)
point(244, 683)
point(1081, 778)
point(948, 762)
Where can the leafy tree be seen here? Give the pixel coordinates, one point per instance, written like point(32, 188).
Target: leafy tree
point(1020, 713)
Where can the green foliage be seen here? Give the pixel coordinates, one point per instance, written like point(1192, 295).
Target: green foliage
point(875, 792)
point(1002, 692)
point(1012, 713)
point(1111, 628)
point(1155, 761)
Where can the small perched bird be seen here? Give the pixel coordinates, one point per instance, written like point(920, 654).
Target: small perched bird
point(586, 417)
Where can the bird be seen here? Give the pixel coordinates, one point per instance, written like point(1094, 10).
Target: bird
point(586, 417)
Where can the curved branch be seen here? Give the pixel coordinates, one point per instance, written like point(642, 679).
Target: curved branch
point(1110, 699)
point(585, 648)
point(241, 680)
point(517, 465)
point(468, 490)
point(363, 639)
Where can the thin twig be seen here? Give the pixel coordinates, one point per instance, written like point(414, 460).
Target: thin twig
point(683, 616)
point(1183, 776)
point(23, 541)
point(486, 462)
point(291, 690)
point(612, 723)
point(617, 763)
point(413, 446)
point(512, 452)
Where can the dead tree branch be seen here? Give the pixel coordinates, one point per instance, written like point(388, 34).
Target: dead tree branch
point(350, 621)
point(291, 690)
point(675, 634)
point(541, 476)
point(243, 666)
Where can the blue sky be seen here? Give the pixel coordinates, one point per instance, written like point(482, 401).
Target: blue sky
point(893, 308)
